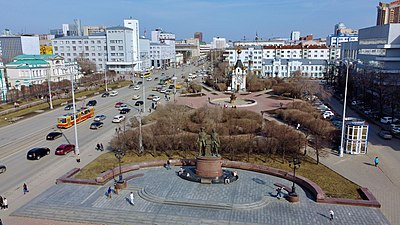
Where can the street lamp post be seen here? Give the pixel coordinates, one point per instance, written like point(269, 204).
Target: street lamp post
point(295, 164)
point(119, 154)
point(347, 63)
point(75, 125)
point(50, 95)
point(105, 71)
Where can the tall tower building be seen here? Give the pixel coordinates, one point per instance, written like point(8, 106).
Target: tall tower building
point(198, 35)
point(295, 36)
point(134, 25)
point(388, 13)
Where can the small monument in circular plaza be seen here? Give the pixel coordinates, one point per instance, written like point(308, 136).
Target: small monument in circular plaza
point(208, 162)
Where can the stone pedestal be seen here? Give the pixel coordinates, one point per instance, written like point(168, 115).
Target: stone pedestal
point(121, 184)
point(293, 198)
point(208, 166)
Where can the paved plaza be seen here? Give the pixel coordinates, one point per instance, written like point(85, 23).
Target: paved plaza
point(161, 197)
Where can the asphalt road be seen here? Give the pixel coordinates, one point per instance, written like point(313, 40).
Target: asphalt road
point(16, 139)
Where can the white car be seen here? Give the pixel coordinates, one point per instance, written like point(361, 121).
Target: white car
point(118, 118)
point(149, 79)
point(388, 120)
point(135, 97)
point(113, 93)
point(156, 99)
point(137, 87)
point(327, 114)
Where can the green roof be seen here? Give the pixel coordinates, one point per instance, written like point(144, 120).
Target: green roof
point(28, 64)
point(44, 57)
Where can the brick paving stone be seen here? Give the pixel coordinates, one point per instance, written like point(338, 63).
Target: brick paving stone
point(79, 203)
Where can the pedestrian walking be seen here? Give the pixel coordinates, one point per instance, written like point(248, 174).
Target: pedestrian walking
point(376, 161)
point(5, 204)
point(168, 165)
point(279, 192)
point(109, 193)
point(25, 188)
point(132, 198)
point(1, 202)
point(98, 147)
point(101, 147)
point(331, 214)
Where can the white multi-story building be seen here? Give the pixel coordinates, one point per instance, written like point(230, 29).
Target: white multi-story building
point(284, 68)
point(26, 70)
point(92, 48)
point(11, 46)
point(260, 43)
point(218, 43)
point(120, 53)
point(145, 61)
point(295, 36)
point(134, 25)
point(252, 57)
point(162, 49)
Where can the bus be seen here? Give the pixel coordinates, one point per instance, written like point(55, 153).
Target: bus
point(146, 74)
point(67, 120)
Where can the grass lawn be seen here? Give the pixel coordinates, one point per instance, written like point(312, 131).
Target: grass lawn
point(333, 184)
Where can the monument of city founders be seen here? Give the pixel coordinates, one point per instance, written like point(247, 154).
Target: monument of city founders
point(208, 162)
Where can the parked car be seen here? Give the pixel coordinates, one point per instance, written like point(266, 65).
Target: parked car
point(113, 93)
point(137, 87)
point(122, 106)
point(96, 125)
point(105, 94)
point(64, 149)
point(131, 86)
point(124, 110)
point(91, 103)
point(149, 79)
point(396, 131)
point(388, 120)
point(99, 117)
point(3, 168)
point(139, 82)
point(135, 97)
point(118, 118)
point(118, 104)
point(37, 153)
point(156, 98)
point(69, 107)
point(155, 78)
point(328, 114)
point(138, 103)
point(53, 135)
point(385, 134)
point(151, 96)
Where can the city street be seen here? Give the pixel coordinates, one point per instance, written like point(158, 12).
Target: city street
point(16, 139)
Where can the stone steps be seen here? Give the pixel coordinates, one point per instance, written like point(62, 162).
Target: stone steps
point(146, 195)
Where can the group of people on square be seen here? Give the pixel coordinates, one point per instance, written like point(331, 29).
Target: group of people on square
point(99, 147)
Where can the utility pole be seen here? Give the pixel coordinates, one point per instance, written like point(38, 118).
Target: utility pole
point(141, 150)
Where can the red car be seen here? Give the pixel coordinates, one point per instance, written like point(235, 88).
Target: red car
point(118, 104)
point(64, 149)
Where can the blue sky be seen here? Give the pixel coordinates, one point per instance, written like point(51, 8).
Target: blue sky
point(233, 19)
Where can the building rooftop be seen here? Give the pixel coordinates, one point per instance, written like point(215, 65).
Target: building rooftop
point(302, 61)
point(28, 63)
point(118, 28)
point(35, 57)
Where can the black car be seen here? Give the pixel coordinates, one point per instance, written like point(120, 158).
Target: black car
point(37, 153)
point(105, 94)
point(53, 135)
point(138, 103)
point(124, 110)
point(139, 82)
point(155, 78)
point(69, 107)
point(131, 86)
point(91, 103)
point(96, 125)
point(3, 168)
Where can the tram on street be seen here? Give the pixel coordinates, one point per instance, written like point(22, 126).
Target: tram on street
point(67, 120)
